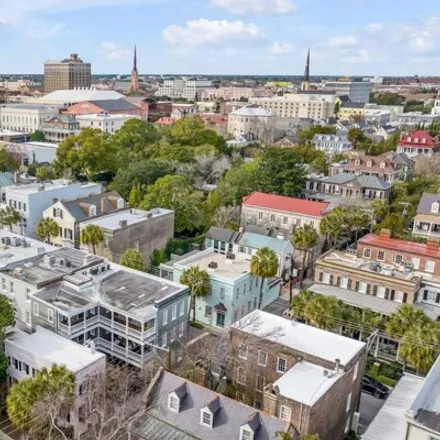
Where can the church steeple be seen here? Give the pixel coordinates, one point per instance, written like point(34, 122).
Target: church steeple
point(134, 74)
point(305, 85)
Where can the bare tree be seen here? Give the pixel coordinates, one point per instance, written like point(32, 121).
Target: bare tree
point(427, 166)
point(227, 217)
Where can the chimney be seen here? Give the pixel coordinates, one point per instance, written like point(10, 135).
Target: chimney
point(103, 204)
point(55, 200)
point(337, 365)
point(17, 177)
point(432, 244)
point(385, 233)
point(123, 223)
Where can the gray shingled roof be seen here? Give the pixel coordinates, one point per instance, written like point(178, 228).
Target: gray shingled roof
point(353, 105)
point(341, 178)
point(221, 234)
point(230, 416)
point(426, 202)
point(372, 182)
point(114, 104)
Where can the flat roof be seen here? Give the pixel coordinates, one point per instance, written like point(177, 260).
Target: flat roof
point(390, 422)
point(226, 268)
point(39, 145)
point(306, 382)
point(48, 348)
point(301, 337)
point(105, 116)
point(131, 216)
point(33, 188)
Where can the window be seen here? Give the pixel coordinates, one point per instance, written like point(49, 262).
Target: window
point(415, 262)
point(285, 220)
point(381, 255)
point(11, 286)
point(174, 312)
point(435, 207)
point(281, 365)
point(237, 293)
point(344, 283)
point(222, 293)
point(206, 418)
point(367, 253)
point(347, 425)
point(260, 383)
point(182, 307)
point(369, 163)
point(429, 266)
point(262, 358)
point(3, 284)
point(246, 434)
point(181, 329)
point(285, 413)
point(347, 407)
point(50, 315)
point(355, 371)
point(165, 317)
point(26, 368)
point(208, 311)
point(164, 339)
point(241, 376)
point(36, 309)
point(362, 288)
point(272, 217)
point(260, 216)
point(173, 403)
point(398, 259)
point(243, 351)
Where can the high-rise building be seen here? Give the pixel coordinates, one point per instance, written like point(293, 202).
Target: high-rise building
point(356, 91)
point(134, 75)
point(67, 74)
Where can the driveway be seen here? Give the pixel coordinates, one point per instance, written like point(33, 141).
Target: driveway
point(368, 408)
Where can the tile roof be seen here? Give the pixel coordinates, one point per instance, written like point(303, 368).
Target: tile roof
point(426, 202)
point(400, 245)
point(287, 204)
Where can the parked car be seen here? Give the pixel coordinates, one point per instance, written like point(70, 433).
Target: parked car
point(372, 386)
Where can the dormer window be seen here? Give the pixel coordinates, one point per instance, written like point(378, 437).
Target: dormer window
point(382, 164)
point(424, 141)
point(358, 162)
point(416, 140)
point(246, 434)
point(208, 413)
point(121, 203)
point(173, 403)
point(435, 207)
point(92, 210)
point(409, 139)
point(206, 418)
point(369, 163)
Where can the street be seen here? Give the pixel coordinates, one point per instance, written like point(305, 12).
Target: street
point(369, 407)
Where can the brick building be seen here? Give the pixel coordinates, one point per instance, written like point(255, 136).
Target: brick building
point(110, 106)
point(307, 377)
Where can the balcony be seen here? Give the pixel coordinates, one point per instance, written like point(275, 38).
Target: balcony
point(426, 229)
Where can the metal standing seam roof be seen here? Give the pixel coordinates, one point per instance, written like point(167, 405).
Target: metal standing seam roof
point(6, 178)
point(257, 241)
point(426, 202)
point(114, 104)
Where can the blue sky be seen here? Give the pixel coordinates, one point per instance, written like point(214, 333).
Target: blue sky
point(379, 37)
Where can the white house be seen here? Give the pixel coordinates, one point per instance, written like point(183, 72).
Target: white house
point(31, 199)
point(108, 123)
point(332, 144)
point(27, 354)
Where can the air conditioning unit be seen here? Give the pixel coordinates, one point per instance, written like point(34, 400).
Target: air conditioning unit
point(6, 241)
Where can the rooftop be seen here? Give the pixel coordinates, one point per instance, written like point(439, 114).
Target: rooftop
point(30, 106)
point(35, 144)
point(387, 242)
point(78, 95)
point(301, 337)
point(131, 216)
point(306, 382)
point(286, 204)
point(228, 415)
point(47, 349)
point(34, 188)
point(109, 105)
point(225, 268)
point(102, 117)
point(390, 423)
point(258, 241)
point(418, 138)
point(425, 204)
point(253, 111)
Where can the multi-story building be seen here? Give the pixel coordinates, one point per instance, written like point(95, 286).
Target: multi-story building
point(190, 89)
point(415, 118)
point(179, 409)
point(280, 213)
point(347, 189)
point(27, 354)
point(107, 106)
point(332, 144)
point(67, 98)
point(67, 74)
point(132, 228)
point(436, 109)
point(108, 123)
point(307, 377)
point(251, 122)
point(304, 104)
point(418, 143)
point(427, 219)
point(356, 91)
point(32, 199)
point(390, 167)
point(59, 128)
point(248, 243)
point(235, 93)
point(33, 152)
point(68, 214)
point(83, 297)
point(26, 118)
point(234, 291)
point(351, 111)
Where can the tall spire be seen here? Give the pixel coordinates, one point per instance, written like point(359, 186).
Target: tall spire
point(305, 85)
point(134, 74)
point(135, 60)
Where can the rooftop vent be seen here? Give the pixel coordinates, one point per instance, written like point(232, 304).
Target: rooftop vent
point(123, 223)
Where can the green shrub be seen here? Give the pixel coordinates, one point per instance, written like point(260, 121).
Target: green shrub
point(196, 324)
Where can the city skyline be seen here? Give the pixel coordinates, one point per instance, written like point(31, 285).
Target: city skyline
point(262, 37)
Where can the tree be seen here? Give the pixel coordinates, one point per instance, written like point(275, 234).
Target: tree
point(44, 173)
point(38, 136)
point(6, 319)
point(305, 239)
point(380, 209)
point(405, 319)
point(281, 171)
point(92, 235)
point(133, 259)
point(356, 136)
point(199, 285)
point(337, 107)
point(47, 228)
point(299, 304)
point(135, 197)
point(28, 397)
point(307, 135)
point(175, 193)
point(332, 226)
point(7, 161)
point(227, 217)
point(10, 217)
point(264, 264)
point(356, 220)
point(324, 312)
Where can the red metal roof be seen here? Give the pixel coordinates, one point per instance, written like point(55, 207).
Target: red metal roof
point(288, 204)
point(417, 140)
point(400, 245)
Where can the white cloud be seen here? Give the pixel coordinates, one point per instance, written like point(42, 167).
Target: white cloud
point(242, 7)
point(205, 32)
point(375, 28)
point(343, 42)
point(279, 48)
point(46, 33)
point(113, 51)
point(3, 22)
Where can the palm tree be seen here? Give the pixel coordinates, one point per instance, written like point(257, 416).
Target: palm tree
point(92, 235)
point(10, 217)
point(199, 285)
point(133, 259)
point(357, 220)
point(417, 346)
point(47, 228)
point(299, 304)
point(264, 264)
point(405, 319)
point(305, 239)
point(324, 312)
point(332, 227)
point(368, 321)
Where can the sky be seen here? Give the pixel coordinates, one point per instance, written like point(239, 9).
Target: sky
point(259, 37)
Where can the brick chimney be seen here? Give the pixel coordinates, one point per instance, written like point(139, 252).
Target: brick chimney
point(385, 233)
point(103, 204)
